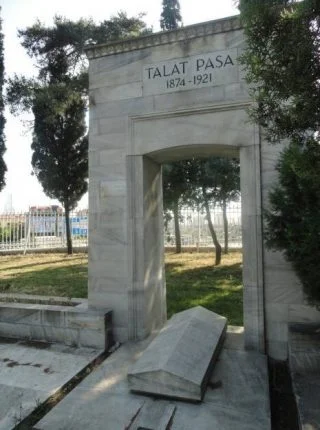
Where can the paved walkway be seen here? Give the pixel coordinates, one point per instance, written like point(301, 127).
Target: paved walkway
point(30, 372)
point(237, 398)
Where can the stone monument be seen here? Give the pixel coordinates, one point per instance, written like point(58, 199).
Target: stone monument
point(164, 97)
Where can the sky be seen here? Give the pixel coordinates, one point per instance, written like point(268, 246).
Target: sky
point(23, 190)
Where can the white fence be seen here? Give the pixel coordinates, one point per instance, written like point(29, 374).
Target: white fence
point(40, 230)
point(43, 230)
point(195, 231)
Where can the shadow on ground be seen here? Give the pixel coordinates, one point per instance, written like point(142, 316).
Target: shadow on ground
point(219, 289)
point(70, 281)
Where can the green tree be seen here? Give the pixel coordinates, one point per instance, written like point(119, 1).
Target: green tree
point(222, 185)
point(3, 167)
point(215, 181)
point(60, 147)
point(175, 186)
point(282, 62)
point(59, 52)
point(282, 65)
point(57, 97)
point(293, 221)
point(62, 45)
point(170, 15)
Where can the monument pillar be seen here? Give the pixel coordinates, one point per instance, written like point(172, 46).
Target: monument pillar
point(147, 288)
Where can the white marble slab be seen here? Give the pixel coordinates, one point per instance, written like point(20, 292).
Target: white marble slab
point(179, 361)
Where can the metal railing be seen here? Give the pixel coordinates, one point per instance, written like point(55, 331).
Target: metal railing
point(46, 229)
point(41, 230)
point(195, 231)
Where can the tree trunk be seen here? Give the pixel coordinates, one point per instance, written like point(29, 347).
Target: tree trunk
point(68, 230)
point(177, 227)
point(225, 227)
point(213, 234)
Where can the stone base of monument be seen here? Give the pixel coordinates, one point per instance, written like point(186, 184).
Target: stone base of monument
point(55, 320)
point(179, 361)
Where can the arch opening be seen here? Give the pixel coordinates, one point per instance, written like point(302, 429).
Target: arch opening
point(149, 299)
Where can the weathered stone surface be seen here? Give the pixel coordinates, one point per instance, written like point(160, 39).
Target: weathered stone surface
point(180, 359)
point(71, 325)
point(304, 362)
point(168, 97)
point(30, 372)
point(153, 416)
point(139, 119)
point(183, 74)
point(237, 399)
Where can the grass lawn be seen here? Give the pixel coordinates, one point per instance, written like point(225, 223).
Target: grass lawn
point(191, 280)
point(45, 274)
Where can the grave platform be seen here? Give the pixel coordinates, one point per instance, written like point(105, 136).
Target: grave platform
point(179, 361)
point(237, 396)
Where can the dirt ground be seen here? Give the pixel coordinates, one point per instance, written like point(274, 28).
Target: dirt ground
point(284, 414)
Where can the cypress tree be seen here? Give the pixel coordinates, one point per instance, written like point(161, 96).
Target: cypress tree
point(170, 16)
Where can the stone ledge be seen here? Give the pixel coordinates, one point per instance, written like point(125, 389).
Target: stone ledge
point(162, 38)
point(41, 300)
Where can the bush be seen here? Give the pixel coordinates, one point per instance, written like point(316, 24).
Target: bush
point(12, 232)
point(293, 222)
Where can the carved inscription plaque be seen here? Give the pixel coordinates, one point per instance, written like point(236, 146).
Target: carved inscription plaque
point(203, 70)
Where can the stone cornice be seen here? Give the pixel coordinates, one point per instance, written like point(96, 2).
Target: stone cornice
point(222, 107)
point(181, 34)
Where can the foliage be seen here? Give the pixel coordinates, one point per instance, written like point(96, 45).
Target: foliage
point(3, 167)
point(12, 232)
point(199, 182)
point(60, 146)
point(60, 56)
point(57, 98)
point(215, 180)
point(221, 177)
point(282, 64)
point(174, 182)
point(59, 50)
point(170, 15)
point(293, 222)
point(59, 143)
point(175, 189)
point(221, 183)
point(283, 69)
